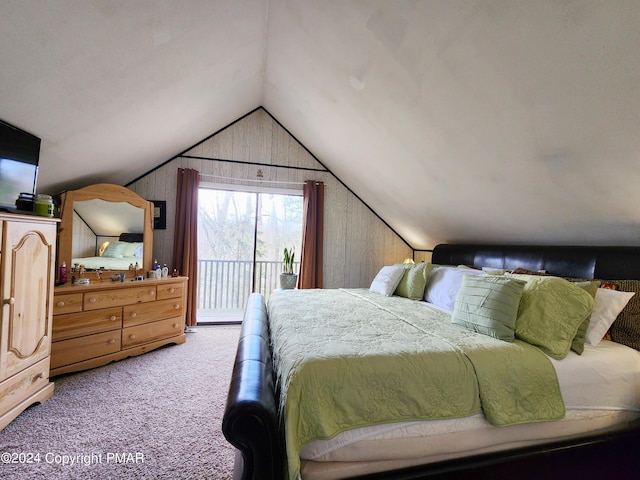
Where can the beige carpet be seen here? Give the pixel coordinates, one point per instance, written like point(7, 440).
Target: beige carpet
point(156, 416)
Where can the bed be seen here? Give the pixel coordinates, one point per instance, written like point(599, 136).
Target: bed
point(115, 255)
point(592, 419)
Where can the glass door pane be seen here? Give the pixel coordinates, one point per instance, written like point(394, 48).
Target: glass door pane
point(279, 226)
point(226, 235)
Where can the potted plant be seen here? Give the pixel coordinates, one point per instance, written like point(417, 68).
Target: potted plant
point(288, 279)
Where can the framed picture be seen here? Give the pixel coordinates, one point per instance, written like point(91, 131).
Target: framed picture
point(159, 214)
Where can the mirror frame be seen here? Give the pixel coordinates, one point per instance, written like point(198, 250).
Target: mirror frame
point(110, 193)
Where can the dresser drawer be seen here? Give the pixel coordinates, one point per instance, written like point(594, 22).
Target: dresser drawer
point(78, 324)
point(150, 332)
point(170, 290)
point(119, 296)
point(150, 312)
point(67, 303)
point(78, 349)
point(15, 389)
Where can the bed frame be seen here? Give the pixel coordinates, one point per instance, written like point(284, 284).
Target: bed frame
point(250, 420)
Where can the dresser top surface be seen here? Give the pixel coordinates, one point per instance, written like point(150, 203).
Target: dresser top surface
point(25, 217)
point(108, 284)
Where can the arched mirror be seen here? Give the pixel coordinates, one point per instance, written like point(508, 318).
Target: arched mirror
point(105, 226)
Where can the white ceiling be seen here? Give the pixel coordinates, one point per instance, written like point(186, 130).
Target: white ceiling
point(455, 120)
point(110, 219)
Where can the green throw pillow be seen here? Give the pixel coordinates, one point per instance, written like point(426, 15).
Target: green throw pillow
point(551, 312)
point(114, 250)
point(488, 305)
point(577, 345)
point(414, 280)
point(129, 249)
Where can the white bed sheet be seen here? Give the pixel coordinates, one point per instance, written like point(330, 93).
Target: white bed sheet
point(600, 388)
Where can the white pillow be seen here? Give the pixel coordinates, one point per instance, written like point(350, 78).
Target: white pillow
point(387, 280)
point(443, 284)
point(606, 308)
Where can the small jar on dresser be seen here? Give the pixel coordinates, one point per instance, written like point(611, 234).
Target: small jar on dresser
point(106, 321)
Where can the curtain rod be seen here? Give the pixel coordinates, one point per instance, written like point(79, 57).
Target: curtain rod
point(250, 180)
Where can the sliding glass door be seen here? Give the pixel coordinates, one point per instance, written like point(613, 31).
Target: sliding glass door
point(241, 236)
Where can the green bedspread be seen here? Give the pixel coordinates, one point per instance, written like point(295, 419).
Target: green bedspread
point(352, 358)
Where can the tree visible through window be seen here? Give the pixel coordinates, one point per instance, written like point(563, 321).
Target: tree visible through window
point(241, 237)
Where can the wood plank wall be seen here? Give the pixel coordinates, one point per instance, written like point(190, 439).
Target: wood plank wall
point(421, 256)
point(356, 242)
point(84, 240)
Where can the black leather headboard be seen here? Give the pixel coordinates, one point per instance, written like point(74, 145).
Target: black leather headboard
point(607, 263)
point(131, 237)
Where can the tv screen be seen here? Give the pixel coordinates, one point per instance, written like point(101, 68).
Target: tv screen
point(19, 155)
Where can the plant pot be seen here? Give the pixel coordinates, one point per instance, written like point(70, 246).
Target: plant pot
point(288, 281)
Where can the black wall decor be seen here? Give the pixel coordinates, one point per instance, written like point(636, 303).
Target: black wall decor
point(159, 214)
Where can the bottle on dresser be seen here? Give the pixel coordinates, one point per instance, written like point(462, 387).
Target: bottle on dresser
point(62, 274)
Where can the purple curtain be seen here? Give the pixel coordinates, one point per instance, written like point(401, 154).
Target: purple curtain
point(312, 235)
point(185, 244)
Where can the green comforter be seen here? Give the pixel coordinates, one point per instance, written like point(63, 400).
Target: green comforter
point(351, 358)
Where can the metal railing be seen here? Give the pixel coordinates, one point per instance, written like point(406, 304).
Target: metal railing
point(227, 284)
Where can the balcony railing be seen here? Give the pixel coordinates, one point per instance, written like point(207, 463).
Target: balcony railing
point(227, 284)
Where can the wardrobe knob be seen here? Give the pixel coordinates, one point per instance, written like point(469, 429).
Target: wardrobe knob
point(9, 301)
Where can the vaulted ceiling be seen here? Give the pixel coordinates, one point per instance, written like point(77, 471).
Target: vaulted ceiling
point(455, 120)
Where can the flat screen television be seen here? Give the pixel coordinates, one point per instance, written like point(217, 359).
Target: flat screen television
point(19, 155)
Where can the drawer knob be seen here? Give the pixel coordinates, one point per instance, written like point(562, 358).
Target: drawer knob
point(38, 376)
point(172, 290)
point(93, 300)
point(112, 341)
point(175, 325)
point(133, 315)
point(9, 301)
point(60, 304)
point(152, 292)
point(132, 337)
point(113, 318)
point(176, 306)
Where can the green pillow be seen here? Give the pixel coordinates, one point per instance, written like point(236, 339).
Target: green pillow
point(414, 280)
point(551, 311)
point(114, 250)
point(577, 345)
point(488, 305)
point(589, 286)
point(129, 249)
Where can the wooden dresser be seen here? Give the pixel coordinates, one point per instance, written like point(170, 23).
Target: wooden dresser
point(99, 323)
point(27, 255)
